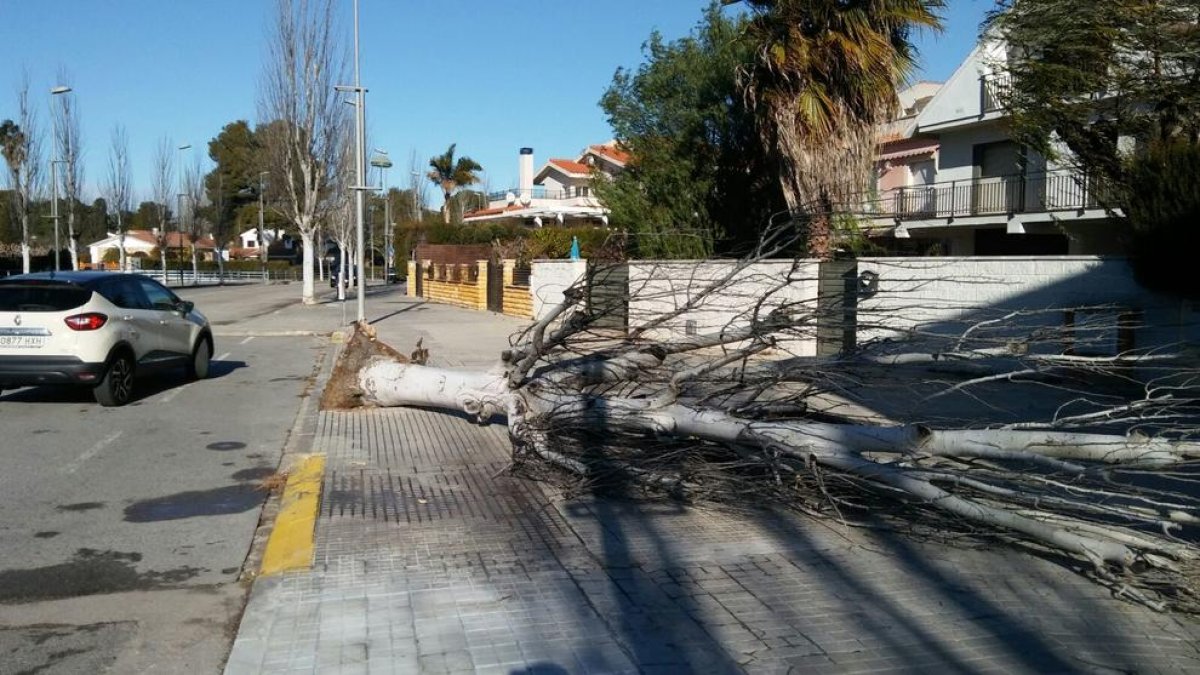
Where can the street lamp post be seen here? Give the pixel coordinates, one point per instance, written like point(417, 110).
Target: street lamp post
point(262, 248)
point(179, 217)
point(360, 170)
point(55, 91)
point(382, 162)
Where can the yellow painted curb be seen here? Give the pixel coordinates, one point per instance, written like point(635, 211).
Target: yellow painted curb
point(291, 544)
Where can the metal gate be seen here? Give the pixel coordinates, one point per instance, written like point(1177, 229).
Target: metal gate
point(608, 295)
point(495, 285)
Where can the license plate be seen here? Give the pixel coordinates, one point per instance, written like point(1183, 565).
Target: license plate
point(23, 341)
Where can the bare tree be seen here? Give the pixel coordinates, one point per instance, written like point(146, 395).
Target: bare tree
point(305, 116)
point(162, 186)
point(69, 139)
point(416, 185)
point(194, 225)
point(1106, 476)
point(341, 224)
point(22, 148)
point(118, 186)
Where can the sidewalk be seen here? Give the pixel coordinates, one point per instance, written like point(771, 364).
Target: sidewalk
point(430, 558)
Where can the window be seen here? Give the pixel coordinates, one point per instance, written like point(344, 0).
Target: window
point(124, 293)
point(160, 298)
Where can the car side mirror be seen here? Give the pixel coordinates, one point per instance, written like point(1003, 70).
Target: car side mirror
point(185, 307)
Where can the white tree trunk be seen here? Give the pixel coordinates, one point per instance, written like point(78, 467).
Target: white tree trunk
point(121, 259)
point(307, 293)
point(26, 262)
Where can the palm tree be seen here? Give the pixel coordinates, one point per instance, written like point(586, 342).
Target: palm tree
point(824, 79)
point(449, 175)
point(15, 151)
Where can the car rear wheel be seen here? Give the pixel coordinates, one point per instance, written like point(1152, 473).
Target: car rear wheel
point(198, 367)
point(117, 386)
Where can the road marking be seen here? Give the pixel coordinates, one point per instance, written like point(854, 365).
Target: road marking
point(170, 395)
point(72, 467)
point(223, 356)
point(290, 546)
point(246, 340)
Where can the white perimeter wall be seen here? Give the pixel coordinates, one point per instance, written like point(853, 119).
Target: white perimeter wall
point(948, 295)
point(660, 287)
point(942, 296)
point(548, 279)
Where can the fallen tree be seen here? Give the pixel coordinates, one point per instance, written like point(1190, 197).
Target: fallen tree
point(1106, 478)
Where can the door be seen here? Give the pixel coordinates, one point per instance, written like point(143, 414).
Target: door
point(923, 174)
point(175, 330)
point(997, 184)
point(495, 285)
point(138, 324)
point(608, 295)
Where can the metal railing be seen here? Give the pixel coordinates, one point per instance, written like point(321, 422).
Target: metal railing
point(1038, 192)
point(185, 277)
point(994, 90)
point(542, 193)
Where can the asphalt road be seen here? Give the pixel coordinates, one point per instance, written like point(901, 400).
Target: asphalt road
point(123, 531)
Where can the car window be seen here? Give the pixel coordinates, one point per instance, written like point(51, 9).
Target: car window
point(159, 296)
point(123, 293)
point(16, 296)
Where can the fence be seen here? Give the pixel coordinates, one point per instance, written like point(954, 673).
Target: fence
point(1087, 304)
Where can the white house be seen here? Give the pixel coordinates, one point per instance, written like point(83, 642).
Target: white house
point(249, 238)
point(560, 193)
point(979, 192)
point(140, 243)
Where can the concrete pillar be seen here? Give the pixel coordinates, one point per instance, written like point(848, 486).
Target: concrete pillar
point(481, 285)
point(510, 268)
point(413, 273)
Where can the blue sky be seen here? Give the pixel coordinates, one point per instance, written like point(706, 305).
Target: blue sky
point(490, 76)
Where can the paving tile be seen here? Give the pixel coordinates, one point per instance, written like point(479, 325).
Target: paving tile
point(432, 559)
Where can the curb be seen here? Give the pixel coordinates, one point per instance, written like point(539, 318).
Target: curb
point(290, 546)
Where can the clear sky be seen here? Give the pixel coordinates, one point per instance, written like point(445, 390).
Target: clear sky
point(489, 76)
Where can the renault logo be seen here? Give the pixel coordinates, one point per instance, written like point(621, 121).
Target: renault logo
point(17, 320)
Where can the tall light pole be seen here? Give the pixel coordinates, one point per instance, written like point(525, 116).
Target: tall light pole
point(179, 216)
point(262, 247)
point(382, 162)
point(54, 162)
point(360, 168)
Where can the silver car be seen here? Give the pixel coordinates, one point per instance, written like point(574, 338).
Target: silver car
point(97, 329)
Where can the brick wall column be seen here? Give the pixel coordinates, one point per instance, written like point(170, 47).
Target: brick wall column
point(510, 267)
point(481, 285)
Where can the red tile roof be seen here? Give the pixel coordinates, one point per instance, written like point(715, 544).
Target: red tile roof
point(610, 151)
point(571, 166)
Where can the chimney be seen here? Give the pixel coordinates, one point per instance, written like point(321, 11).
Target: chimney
point(525, 173)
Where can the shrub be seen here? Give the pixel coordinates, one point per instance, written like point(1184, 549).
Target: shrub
point(1163, 207)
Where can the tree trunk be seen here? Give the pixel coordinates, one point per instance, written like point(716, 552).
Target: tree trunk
point(911, 463)
point(307, 293)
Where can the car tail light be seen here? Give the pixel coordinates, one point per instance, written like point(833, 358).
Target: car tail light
point(89, 321)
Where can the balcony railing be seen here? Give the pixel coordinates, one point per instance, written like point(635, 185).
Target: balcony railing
point(994, 90)
point(539, 192)
point(1039, 192)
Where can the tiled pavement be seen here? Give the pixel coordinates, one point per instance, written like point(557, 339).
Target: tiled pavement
point(431, 559)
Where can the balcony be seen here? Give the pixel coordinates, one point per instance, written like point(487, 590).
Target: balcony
point(1041, 192)
point(994, 90)
point(539, 192)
